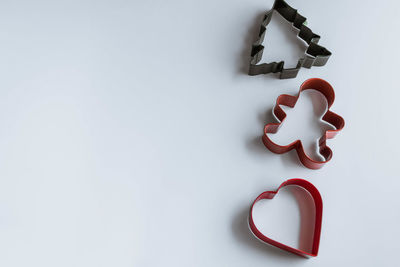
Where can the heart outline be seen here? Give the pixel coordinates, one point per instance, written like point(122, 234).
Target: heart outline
point(309, 187)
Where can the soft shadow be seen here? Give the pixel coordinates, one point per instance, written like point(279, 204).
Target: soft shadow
point(249, 39)
point(291, 157)
point(255, 144)
point(241, 231)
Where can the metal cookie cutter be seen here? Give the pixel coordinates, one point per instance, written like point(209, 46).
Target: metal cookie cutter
point(288, 100)
point(315, 54)
point(317, 225)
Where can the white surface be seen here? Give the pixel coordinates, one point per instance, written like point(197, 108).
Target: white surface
point(130, 135)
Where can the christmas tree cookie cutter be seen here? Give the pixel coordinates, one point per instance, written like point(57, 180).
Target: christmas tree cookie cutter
point(315, 54)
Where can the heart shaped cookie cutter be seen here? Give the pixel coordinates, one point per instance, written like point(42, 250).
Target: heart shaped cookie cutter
point(318, 218)
point(289, 100)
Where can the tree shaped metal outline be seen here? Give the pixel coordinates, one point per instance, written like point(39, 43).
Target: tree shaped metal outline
point(315, 54)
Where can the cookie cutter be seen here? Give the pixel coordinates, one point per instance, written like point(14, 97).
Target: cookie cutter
point(288, 100)
point(315, 54)
point(310, 188)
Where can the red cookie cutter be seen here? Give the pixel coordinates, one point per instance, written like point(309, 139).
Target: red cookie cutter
point(288, 100)
point(318, 218)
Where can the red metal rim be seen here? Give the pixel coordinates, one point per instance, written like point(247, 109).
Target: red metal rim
point(288, 100)
point(318, 218)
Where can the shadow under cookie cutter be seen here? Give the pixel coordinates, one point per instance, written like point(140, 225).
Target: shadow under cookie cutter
point(332, 118)
point(315, 54)
point(313, 191)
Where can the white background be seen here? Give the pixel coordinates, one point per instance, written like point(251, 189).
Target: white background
point(130, 133)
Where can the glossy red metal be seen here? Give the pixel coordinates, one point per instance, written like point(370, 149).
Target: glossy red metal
point(318, 218)
point(288, 100)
